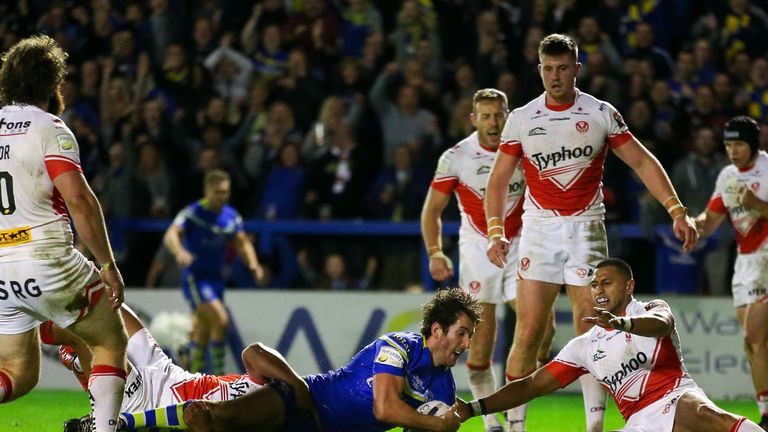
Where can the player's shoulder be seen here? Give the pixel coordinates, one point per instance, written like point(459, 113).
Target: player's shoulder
point(532, 106)
point(463, 146)
point(637, 307)
point(408, 341)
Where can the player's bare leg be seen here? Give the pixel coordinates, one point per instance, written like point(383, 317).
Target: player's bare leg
point(754, 320)
point(482, 379)
point(262, 410)
point(696, 413)
point(102, 329)
point(534, 303)
point(516, 416)
point(594, 395)
point(19, 364)
point(212, 321)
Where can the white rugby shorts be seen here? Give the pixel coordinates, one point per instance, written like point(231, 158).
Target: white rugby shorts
point(481, 278)
point(58, 288)
point(660, 415)
point(558, 250)
point(750, 279)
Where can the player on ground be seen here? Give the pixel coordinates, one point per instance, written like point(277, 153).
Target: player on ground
point(741, 192)
point(561, 139)
point(42, 275)
point(634, 352)
point(198, 238)
point(380, 388)
point(463, 170)
point(154, 381)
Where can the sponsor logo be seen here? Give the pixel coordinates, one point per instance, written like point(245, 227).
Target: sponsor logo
point(525, 263)
point(131, 388)
point(14, 128)
point(537, 131)
point(66, 144)
point(389, 356)
point(668, 406)
point(614, 381)
point(559, 118)
point(485, 169)
point(582, 126)
point(544, 161)
point(758, 292)
point(651, 305)
point(619, 119)
point(601, 107)
point(401, 341)
point(15, 236)
point(600, 354)
point(627, 337)
point(474, 286)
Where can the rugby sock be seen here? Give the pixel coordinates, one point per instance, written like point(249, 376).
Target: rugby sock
point(762, 403)
point(516, 416)
point(168, 417)
point(594, 402)
point(482, 382)
point(196, 357)
point(106, 386)
point(6, 388)
point(744, 425)
point(217, 357)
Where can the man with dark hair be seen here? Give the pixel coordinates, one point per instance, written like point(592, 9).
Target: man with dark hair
point(42, 190)
point(643, 370)
point(741, 192)
point(463, 169)
point(380, 388)
point(198, 238)
point(561, 138)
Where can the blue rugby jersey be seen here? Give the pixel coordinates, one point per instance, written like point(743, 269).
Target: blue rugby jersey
point(344, 397)
point(206, 235)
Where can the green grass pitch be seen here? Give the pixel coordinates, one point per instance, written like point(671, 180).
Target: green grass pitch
point(46, 410)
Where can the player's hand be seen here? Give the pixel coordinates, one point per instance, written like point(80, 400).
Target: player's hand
point(750, 200)
point(440, 267)
point(604, 319)
point(198, 417)
point(258, 273)
point(451, 421)
point(184, 258)
point(497, 251)
point(462, 409)
point(115, 285)
point(685, 230)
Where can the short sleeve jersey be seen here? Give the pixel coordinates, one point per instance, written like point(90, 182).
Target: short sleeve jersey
point(562, 151)
point(636, 370)
point(344, 397)
point(35, 148)
point(206, 235)
point(751, 228)
point(464, 169)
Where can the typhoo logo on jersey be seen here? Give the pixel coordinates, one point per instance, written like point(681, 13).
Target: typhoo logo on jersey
point(614, 381)
point(544, 161)
point(14, 128)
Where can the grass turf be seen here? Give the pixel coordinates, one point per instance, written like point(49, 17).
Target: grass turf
point(46, 410)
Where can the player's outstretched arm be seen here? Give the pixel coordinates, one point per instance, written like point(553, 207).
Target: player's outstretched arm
point(264, 363)
point(89, 223)
point(515, 393)
point(247, 253)
point(650, 171)
point(172, 240)
point(388, 407)
point(657, 322)
point(440, 266)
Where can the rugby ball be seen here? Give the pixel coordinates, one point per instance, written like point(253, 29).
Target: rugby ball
point(433, 408)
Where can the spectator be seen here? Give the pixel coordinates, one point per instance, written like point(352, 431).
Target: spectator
point(231, 71)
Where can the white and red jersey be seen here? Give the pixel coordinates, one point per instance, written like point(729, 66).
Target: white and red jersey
point(464, 169)
point(35, 147)
point(562, 150)
point(150, 387)
point(636, 370)
point(751, 228)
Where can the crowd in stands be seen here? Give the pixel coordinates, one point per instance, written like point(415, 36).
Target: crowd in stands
point(338, 109)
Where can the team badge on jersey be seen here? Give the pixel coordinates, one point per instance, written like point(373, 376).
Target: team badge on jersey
point(582, 126)
point(389, 356)
point(474, 287)
point(525, 263)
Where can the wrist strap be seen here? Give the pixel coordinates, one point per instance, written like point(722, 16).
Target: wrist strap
point(108, 266)
point(478, 407)
point(626, 324)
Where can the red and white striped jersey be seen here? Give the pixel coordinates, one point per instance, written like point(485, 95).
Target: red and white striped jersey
point(751, 228)
point(464, 169)
point(562, 151)
point(636, 370)
point(35, 147)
